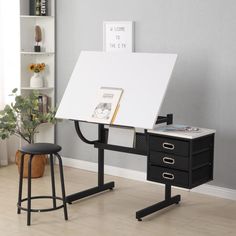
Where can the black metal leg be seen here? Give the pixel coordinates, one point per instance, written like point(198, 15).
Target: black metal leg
point(100, 167)
point(29, 197)
point(101, 156)
point(62, 186)
point(101, 186)
point(160, 205)
point(53, 181)
point(167, 192)
point(29, 190)
point(20, 183)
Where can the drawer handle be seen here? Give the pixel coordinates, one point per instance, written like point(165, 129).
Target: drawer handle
point(168, 160)
point(169, 146)
point(167, 175)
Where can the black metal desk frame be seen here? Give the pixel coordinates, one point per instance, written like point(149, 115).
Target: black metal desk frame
point(101, 145)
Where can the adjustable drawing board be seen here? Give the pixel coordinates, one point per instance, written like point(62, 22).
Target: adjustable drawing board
point(144, 77)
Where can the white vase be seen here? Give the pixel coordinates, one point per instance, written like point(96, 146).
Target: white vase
point(36, 81)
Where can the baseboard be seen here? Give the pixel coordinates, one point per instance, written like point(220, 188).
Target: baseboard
point(216, 191)
point(109, 170)
point(3, 162)
point(141, 176)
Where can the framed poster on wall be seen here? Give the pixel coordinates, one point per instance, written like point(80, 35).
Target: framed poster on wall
point(118, 36)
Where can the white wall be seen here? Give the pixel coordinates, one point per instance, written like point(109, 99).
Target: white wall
point(203, 88)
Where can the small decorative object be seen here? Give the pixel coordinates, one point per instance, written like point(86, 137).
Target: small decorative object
point(44, 8)
point(36, 81)
point(38, 38)
point(118, 36)
point(37, 7)
point(22, 118)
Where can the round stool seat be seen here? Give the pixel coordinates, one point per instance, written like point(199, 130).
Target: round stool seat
point(40, 148)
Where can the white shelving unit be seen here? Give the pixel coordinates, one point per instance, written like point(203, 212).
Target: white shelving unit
point(47, 56)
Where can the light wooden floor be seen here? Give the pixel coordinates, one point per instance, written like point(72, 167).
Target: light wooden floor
point(113, 213)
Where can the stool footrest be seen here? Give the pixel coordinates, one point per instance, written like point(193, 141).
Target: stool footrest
point(41, 210)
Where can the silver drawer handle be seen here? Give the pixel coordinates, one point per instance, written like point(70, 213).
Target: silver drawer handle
point(167, 175)
point(169, 146)
point(168, 160)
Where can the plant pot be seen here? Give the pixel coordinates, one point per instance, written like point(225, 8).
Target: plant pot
point(38, 165)
point(36, 81)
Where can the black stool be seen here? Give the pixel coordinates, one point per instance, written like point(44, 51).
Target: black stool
point(41, 149)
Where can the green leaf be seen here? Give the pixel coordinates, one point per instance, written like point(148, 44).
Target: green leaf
point(14, 90)
point(24, 113)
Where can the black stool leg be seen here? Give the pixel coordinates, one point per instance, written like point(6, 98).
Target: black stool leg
point(62, 186)
point(53, 181)
point(20, 183)
point(29, 190)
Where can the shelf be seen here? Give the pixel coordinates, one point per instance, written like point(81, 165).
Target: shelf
point(43, 88)
point(28, 56)
point(37, 53)
point(36, 17)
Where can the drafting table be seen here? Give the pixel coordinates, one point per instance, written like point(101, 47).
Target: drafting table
point(144, 77)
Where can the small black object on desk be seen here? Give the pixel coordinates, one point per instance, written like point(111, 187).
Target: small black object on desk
point(40, 149)
point(172, 161)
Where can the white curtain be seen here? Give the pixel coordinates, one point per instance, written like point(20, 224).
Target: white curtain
point(3, 143)
point(9, 62)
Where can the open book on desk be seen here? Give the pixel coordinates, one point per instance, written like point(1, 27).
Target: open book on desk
point(106, 106)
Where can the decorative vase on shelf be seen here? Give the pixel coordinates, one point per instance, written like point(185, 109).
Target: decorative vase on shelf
point(36, 81)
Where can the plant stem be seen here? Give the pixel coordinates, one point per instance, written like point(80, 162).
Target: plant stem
point(19, 134)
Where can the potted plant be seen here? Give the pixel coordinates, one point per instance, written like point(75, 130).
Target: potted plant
point(36, 80)
point(22, 118)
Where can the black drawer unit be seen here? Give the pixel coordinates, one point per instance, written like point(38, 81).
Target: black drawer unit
point(180, 162)
point(174, 159)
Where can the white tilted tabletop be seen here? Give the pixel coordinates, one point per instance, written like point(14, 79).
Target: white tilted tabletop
point(144, 77)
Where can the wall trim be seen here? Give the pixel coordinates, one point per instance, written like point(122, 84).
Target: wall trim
point(216, 191)
point(207, 189)
point(108, 170)
point(3, 162)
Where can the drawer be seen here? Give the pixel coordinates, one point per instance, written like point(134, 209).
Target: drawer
point(169, 160)
point(168, 176)
point(169, 145)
